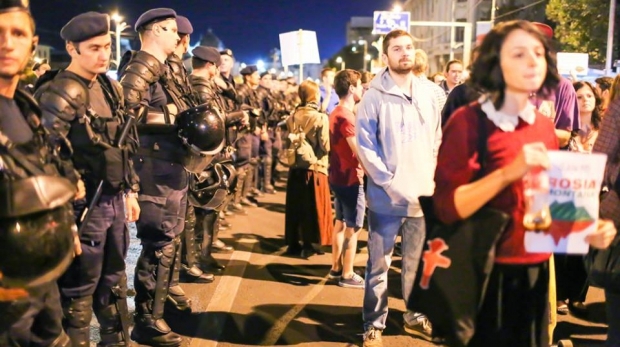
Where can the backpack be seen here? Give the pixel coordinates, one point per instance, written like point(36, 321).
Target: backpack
point(300, 152)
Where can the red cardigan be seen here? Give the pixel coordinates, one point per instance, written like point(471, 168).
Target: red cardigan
point(457, 165)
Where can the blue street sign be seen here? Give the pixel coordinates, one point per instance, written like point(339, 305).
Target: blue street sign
point(386, 21)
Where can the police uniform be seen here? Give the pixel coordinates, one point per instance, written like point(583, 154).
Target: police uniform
point(177, 68)
point(186, 243)
point(268, 106)
point(207, 223)
point(31, 187)
point(91, 114)
point(161, 160)
point(36, 320)
point(247, 145)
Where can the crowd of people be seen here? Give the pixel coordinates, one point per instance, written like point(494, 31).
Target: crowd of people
point(177, 151)
point(407, 135)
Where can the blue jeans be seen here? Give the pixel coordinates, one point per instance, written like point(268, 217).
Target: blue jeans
point(381, 239)
point(350, 205)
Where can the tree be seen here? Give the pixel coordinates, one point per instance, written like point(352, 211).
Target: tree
point(581, 26)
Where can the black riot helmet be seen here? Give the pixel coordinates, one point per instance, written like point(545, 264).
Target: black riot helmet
point(202, 130)
point(211, 189)
point(37, 227)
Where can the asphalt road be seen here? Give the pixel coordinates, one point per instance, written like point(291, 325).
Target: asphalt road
point(264, 298)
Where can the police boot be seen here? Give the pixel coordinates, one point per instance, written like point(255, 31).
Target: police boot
point(152, 330)
point(77, 315)
point(267, 186)
point(207, 261)
point(114, 318)
point(189, 271)
point(188, 245)
point(218, 245)
point(110, 327)
point(150, 327)
point(176, 296)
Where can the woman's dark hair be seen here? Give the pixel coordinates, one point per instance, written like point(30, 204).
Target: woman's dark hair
point(597, 113)
point(486, 74)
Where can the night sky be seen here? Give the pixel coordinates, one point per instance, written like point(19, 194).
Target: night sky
point(249, 27)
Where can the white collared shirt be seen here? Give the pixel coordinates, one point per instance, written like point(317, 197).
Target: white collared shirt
point(507, 122)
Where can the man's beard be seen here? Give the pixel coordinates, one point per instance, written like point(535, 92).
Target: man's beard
point(402, 70)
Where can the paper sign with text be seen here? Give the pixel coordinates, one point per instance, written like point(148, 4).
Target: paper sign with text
point(299, 47)
point(574, 185)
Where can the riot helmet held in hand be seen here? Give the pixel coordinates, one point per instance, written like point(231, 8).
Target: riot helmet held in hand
point(37, 228)
point(211, 189)
point(202, 130)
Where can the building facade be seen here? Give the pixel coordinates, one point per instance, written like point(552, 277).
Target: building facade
point(443, 43)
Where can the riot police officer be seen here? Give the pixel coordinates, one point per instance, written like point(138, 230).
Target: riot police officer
point(37, 233)
point(186, 242)
point(175, 61)
point(168, 147)
point(84, 104)
point(268, 106)
point(209, 89)
point(247, 148)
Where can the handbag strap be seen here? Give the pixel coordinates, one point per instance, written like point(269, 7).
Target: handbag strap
point(481, 142)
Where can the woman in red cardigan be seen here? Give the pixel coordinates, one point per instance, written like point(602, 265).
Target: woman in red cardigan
point(514, 61)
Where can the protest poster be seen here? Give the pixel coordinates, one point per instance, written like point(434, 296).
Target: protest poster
point(574, 185)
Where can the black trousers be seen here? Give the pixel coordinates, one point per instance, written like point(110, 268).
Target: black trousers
point(571, 277)
point(515, 312)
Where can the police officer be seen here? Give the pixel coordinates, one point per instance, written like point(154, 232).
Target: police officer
point(209, 89)
point(175, 61)
point(150, 92)
point(185, 243)
point(29, 165)
point(268, 106)
point(247, 147)
point(228, 91)
point(87, 106)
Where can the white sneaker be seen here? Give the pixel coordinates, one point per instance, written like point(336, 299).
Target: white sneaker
point(372, 338)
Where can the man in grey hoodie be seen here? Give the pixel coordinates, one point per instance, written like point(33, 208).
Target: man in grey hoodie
point(398, 135)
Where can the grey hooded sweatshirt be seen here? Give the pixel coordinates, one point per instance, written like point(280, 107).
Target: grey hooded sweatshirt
point(398, 141)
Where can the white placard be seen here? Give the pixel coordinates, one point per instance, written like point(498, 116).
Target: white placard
point(574, 186)
point(577, 62)
point(299, 47)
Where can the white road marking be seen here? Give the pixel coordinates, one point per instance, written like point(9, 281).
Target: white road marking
point(225, 293)
point(279, 326)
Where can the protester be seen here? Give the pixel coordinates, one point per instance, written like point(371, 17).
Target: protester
point(329, 98)
point(515, 307)
point(346, 180)
point(308, 206)
point(453, 74)
point(615, 89)
point(608, 142)
point(398, 134)
point(590, 116)
point(603, 87)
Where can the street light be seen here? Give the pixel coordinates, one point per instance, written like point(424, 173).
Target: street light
point(341, 62)
point(397, 8)
point(118, 28)
point(365, 43)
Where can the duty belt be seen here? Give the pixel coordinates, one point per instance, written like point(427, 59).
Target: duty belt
point(169, 156)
